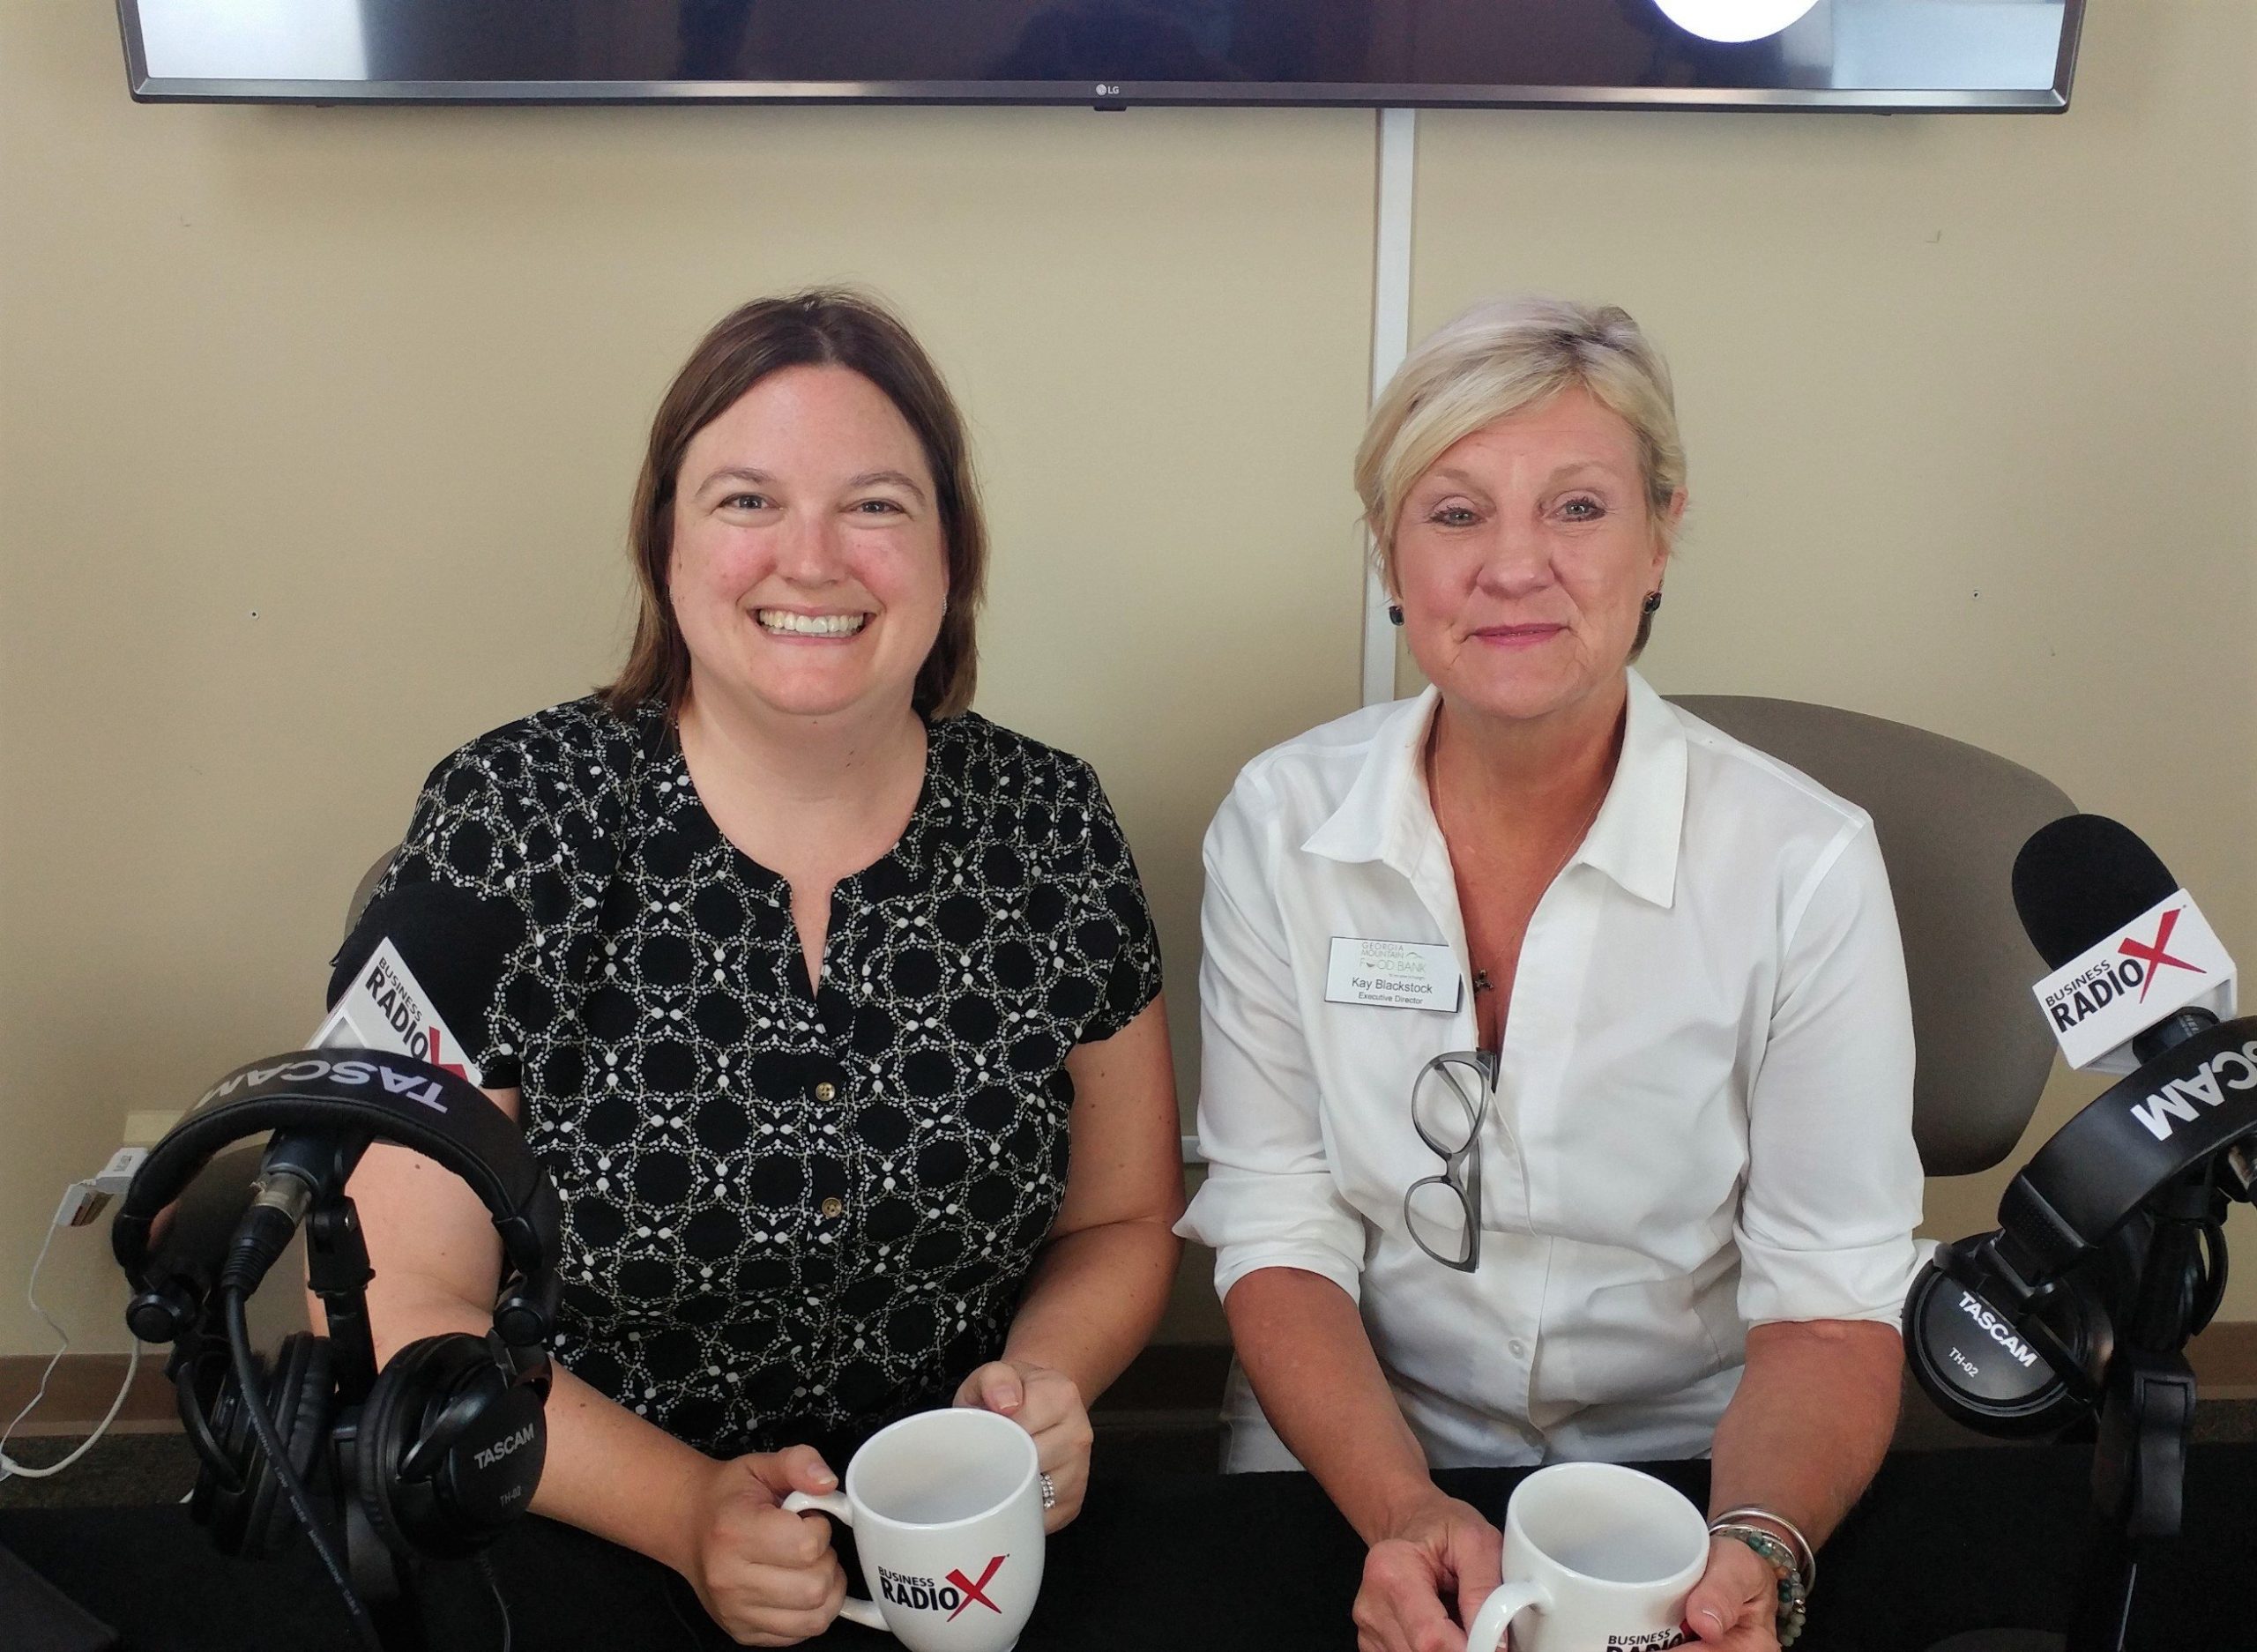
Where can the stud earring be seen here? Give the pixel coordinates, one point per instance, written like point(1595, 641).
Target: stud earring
point(1653, 602)
point(1394, 613)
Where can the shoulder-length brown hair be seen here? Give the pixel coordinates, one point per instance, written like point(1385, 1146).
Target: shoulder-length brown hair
point(824, 326)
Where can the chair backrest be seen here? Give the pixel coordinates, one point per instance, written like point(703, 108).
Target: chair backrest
point(1950, 818)
point(365, 887)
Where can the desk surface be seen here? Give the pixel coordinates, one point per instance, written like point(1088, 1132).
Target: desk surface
point(1946, 1541)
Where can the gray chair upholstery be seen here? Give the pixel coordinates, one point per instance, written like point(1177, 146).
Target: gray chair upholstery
point(1950, 817)
point(365, 887)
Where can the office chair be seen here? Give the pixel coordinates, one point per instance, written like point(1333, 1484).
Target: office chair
point(1950, 817)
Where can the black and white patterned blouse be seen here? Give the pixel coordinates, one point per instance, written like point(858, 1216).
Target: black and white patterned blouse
point(789, 1218)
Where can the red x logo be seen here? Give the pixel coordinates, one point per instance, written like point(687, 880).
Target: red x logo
point(2153, 954)
point(971, 1590)
point(431, 1053)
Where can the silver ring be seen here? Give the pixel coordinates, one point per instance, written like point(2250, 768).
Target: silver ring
point(1049, 1489)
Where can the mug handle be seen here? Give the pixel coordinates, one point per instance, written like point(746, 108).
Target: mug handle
point(1505, 1603)
point(854, 1609)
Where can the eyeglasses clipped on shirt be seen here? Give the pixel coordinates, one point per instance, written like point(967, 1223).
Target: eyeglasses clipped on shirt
point(1449, 1102)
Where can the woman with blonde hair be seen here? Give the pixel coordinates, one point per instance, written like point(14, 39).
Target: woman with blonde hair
point(1558, 1060)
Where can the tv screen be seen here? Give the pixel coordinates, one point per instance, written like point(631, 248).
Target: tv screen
point(1871, 55)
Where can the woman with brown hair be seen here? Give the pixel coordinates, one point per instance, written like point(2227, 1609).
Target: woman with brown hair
point(821, 971)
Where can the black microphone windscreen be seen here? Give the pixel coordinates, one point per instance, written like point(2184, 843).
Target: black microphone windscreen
point(2080, 879)
point(455, 941)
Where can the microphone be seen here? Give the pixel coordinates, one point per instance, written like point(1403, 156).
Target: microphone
point(421, 970)
point(2014, 1331)
point(2136, 969)
point(460, 943)
point(280, 1197)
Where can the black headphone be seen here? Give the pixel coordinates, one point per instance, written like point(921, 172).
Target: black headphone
point(2018, 1374)
point(445, 1446)
point(2012, 1332)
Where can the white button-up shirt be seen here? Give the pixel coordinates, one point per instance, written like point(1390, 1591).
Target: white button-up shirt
point(1703, 1119)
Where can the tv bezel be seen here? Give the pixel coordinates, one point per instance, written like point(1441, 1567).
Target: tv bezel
point(147, 89)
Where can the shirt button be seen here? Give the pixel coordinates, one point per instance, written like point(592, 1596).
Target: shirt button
point(826, 1090)
point(1518, 1348)
point(833, 1206)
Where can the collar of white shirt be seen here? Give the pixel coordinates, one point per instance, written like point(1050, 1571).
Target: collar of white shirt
point(1634, 840)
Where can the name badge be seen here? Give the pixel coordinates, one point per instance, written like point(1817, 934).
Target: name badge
point(1394, 974)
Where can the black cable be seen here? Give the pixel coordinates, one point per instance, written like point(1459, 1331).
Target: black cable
point(486, 1570)
point(2212, 1293)
point(270, 1441)
point(224, 1475)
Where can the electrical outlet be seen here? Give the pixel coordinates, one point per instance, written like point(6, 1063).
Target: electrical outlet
point(147, 1129)
point(116, 1176)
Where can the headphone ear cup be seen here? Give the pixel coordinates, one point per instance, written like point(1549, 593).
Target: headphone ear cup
point(213, 1502)
point(1968, 1356)
point(394, 1408)
point(296, 1390)
point(482, 1447)
point(2113, 1276)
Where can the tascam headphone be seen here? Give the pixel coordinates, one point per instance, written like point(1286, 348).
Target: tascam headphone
point(444, 1446)
point(2012, 1332)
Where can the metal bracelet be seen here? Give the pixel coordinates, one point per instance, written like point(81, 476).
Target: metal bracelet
point(1809, 1566)
point(1795, 1592)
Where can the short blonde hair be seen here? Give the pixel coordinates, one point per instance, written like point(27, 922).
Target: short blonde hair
point(1499, 359)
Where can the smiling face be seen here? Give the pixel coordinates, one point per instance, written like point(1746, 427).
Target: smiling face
point(1523, 557)
point(808, 572)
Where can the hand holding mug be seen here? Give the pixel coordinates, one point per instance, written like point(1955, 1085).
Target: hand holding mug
point(1048, 1405)
point(1598, 1555)
point(1735, 1606)
point(767, 1576)
point(947, 1513)
point(1442, 1551)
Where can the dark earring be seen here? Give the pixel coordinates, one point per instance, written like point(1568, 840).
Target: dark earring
point(1394, 613)
point(1653, 602)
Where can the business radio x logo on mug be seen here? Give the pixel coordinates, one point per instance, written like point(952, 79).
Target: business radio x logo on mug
point(954, 1595)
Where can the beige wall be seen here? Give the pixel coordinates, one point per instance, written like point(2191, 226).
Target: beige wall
point(315, 429)
point(316, 433)
point(1971, 407)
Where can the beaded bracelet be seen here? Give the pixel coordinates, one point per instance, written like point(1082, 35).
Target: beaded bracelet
point(1794, 1593)
point(1751, 1511)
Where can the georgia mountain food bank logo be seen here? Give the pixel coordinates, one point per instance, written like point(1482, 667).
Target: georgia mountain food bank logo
point(955, 1594)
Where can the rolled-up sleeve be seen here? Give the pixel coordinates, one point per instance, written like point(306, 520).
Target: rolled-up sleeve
point(1834, 1183)
point(1270, 1199)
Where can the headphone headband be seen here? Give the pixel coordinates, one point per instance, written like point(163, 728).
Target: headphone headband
point(2131, 1141)
point(379, 1096)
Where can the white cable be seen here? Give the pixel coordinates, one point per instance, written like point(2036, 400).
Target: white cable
point(9, 1467)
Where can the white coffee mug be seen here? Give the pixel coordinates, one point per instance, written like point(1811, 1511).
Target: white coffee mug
point(1598, 1558)
point(947, 1512)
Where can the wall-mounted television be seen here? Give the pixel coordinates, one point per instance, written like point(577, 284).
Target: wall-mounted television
point(1868, 55)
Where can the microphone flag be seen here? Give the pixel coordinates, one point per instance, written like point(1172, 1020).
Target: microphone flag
point(386, 1009)
point(2165, 960)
